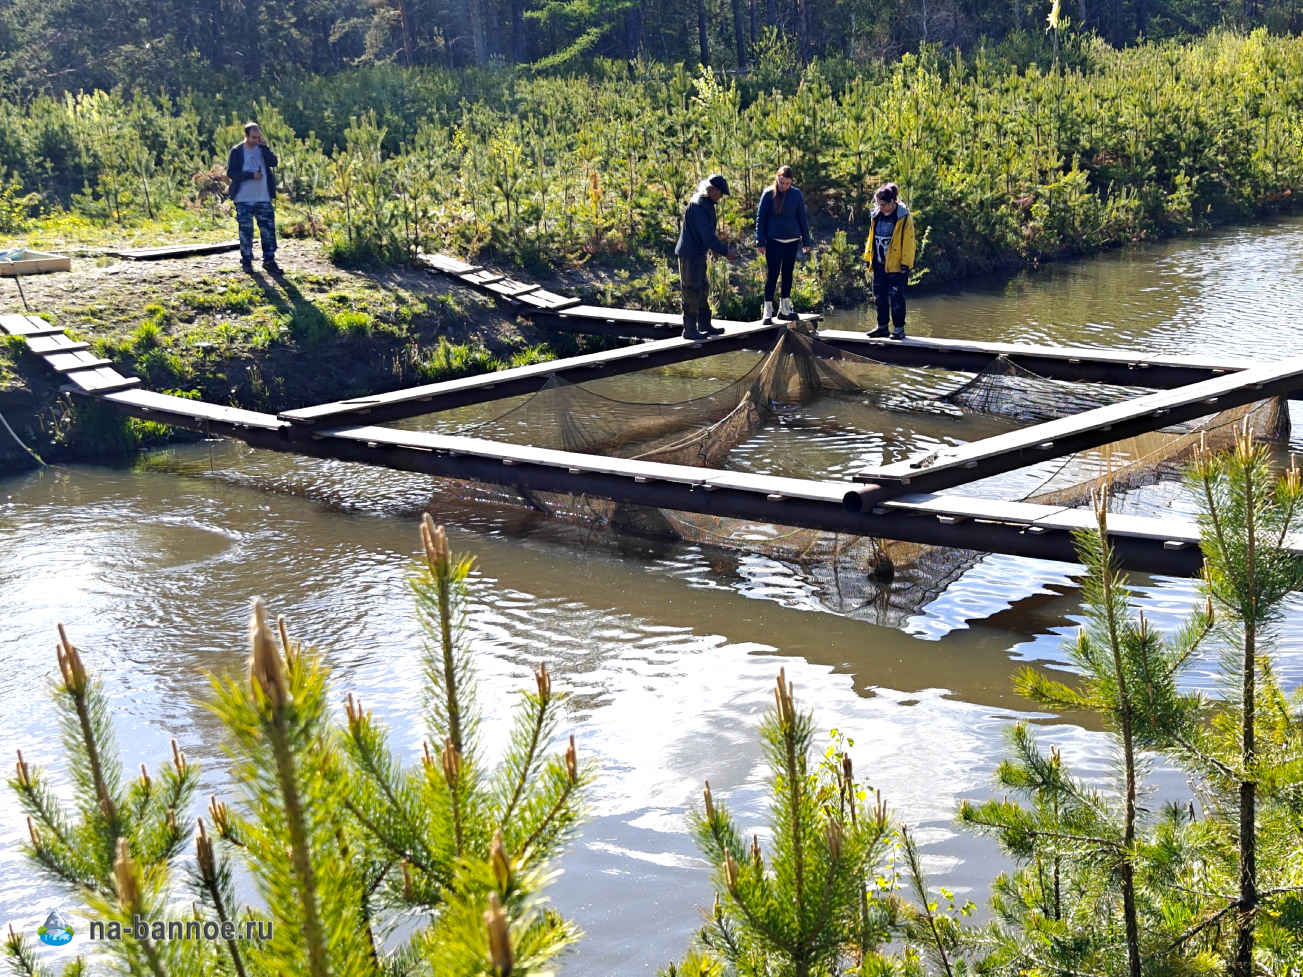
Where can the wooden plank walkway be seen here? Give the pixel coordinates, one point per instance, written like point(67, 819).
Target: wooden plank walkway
point(1089, 429)
point(194, 414)
point(1020, 529)
point(560, 310)
point(173, 251)
point(28, 326)
point(87, 373)
point(534, 297)
point(1118, 366)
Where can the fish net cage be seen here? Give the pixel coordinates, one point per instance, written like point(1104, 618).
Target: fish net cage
point(889, 578)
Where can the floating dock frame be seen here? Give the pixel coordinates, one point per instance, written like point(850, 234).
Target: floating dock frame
point(893, 501)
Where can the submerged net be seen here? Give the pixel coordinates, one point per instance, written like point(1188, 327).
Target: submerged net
point(703, 430)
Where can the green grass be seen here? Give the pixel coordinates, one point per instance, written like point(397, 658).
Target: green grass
point(231, 298)
point(65, 229)
point(11, 350)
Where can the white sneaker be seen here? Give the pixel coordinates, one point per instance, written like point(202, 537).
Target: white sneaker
point(768, 315)
point(785, 310)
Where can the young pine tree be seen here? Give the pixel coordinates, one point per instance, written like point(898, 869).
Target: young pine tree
point(469, 843)
point(1246, 749)
point(1079, 902)
point(117, 847)
point(337, 838)
point(806, 910)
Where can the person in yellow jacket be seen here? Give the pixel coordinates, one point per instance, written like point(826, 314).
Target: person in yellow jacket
point(889, 254)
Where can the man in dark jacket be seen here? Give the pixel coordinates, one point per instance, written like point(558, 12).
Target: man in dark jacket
point(696, 241)
point(250, 167)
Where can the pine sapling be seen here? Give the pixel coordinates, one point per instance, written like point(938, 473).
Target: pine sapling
point(804, 910)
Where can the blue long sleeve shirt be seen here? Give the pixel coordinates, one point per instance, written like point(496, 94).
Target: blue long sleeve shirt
point(698, 234)
point(790, 225)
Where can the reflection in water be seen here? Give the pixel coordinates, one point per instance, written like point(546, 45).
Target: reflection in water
point(669, 650)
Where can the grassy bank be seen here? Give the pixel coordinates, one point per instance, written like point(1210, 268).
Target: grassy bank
point(201, 328)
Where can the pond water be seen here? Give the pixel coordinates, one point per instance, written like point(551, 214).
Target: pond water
point(669, 651)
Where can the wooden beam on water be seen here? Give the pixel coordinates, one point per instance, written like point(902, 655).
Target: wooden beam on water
point(1073, 363)
point(1121, 366)
point(431, 397)
point(951, 466)
point(196, 415)
point(601, 320)
point(986, 525)
point(1020, 529)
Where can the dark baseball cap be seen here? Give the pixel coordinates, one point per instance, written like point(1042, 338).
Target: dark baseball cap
point(718, 182)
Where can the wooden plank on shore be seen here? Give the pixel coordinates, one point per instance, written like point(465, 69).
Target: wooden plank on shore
point(557, 303)
point(56, 343)
point(27, 325)
point(101, 380)
point(1089, 429)
point(66, 362)
point(546, 301)
point(447, 264)
point(174, 251)
point(523, 290)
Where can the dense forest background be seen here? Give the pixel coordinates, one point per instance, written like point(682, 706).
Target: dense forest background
point(168, 46)
point(571, 131)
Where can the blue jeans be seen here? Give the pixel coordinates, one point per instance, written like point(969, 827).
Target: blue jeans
point(265, 215)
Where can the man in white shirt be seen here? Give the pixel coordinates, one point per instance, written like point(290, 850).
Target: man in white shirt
point(250, 167)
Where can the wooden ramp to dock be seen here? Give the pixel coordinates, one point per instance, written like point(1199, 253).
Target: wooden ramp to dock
point(86, 372)
point(566, 312)
point(497, 285)
point(885, 502)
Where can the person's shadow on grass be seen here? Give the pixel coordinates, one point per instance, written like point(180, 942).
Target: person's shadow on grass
point(308, 323)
